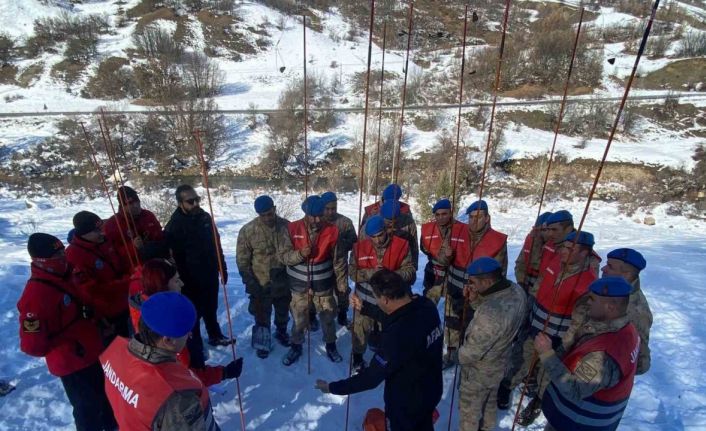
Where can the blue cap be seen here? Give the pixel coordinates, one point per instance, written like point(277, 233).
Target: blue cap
point(441, 204)
point(313, 206)
point(477, 205)
point(542, 218)
point(482, 265)
point(374, 225)
point(392, 192)
point(560, 216)
point(611, 286)
point(628, 255)
point(70, 236)
point(390, 209)
point(263, 204)
point(585, 238)
point(169, 314)
point(328, 197)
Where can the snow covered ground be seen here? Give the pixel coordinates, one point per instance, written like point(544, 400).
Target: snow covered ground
point(671, 396)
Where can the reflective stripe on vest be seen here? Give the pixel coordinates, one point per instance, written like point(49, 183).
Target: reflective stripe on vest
point(321, 276)
point(318, 269)
point(137, 389)
point(366, 258)
point(603, 410)
point(556, 326)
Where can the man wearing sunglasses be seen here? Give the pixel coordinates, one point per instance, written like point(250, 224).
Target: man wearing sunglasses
point(189, 236)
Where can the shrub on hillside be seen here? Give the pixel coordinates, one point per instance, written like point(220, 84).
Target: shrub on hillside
point(7, 49)
point(157, 43)
point(113, 80)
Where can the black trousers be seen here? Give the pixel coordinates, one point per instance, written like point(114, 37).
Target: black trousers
point(86, 393)
point(204, 295)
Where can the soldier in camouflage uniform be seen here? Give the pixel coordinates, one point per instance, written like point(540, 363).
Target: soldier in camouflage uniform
point(435, 243)
point(263, 250)
point(592, 371)
point(346, 238)
point(500, 307)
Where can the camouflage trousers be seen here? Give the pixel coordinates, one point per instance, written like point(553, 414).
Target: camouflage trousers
point(454, 321)
point(325, 305)
point(261, 306)
point(363, 327)
point(478, 393)
point(528, 356)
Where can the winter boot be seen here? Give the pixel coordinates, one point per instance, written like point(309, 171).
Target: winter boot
point(220, 340)
point(282, 336)
point(342, 318)
point(332, 352)
point(262, 354)
point(295, 352)
point(530, 413)
point(504, 394)
point(313, 322)
point(358, 363)
point(450, 359)
point(5, 388)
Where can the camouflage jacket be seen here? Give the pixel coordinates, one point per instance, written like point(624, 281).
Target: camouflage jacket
point(346, 235)
point(261, 255)
point(594, 372)
point(640, 315)
point(499, 313)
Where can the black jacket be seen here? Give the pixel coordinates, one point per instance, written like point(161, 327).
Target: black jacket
point(409, 363)
point(190, 237)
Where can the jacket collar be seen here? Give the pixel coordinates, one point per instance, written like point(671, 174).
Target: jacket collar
point(151, 354)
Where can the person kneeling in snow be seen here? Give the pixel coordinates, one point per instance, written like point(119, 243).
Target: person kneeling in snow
point(147, 386)
point(410, 358)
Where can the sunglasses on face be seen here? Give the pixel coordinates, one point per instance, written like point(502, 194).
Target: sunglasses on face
point(193, 201)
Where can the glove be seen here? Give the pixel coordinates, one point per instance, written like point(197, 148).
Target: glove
point(233, 370)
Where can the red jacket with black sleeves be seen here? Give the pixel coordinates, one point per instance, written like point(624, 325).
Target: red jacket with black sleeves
point(148, 229)
point(101, 273)
point(52, 324)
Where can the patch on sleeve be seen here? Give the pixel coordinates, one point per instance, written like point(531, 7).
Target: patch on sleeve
point(30, 325)
point(380, 360)
point(585, 372)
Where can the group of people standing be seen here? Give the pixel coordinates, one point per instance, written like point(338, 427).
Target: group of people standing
point(128, 349)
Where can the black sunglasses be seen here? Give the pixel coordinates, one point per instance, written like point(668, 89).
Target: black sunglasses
point(193, 201)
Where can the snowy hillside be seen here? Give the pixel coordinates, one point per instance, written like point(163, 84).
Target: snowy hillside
point(670, 397)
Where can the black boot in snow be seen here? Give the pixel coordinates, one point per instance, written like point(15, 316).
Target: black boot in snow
point(530, 413)
point(262, 353)
point(282, 337)
point(295, 352)
point(313, 322)
point(332, 352)
point(358, 363)
point(504, 395)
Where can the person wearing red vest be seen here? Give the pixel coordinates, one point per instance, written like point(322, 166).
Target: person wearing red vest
point(56, 325)
point(147, 241)
point(561, 297)
point(314, 278)
point(378, 250)
point(158, 275)
point(435, 243)
point(478, 240)
point(528, 261)
point(592, 373)
point(98, 266)
point(147, 386)
point(392, 192)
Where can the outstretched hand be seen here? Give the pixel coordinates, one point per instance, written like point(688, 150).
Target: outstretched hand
point(322, 385)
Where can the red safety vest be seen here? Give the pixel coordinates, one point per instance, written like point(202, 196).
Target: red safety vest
point(490, 245)
point(137, 389)
point(318, 268)
point(603, 410)
point(557, 301)
point(432, 240)
point(366, 258)
point(373, 209)
point(527, 254)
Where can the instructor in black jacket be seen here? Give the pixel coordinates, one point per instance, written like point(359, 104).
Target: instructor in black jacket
point(409, 361)
point(189, 235)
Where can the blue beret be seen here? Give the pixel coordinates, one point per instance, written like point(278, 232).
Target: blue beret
point(374, 225)
point(70, 236)
point(390, 209)
point(263, 203)
point(630, 256)
point(169, 314)
point(482, 265)
point(328, 197)
point(313, 206)
point(392, 192)
point(441, 204)
point(542, 218)
point(560, 216)
point(611, 286)
point(585, 238)
point(477, 205)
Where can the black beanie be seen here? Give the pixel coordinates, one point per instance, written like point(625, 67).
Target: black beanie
point(43, 245)
point(85, 222)
point(127, 193)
